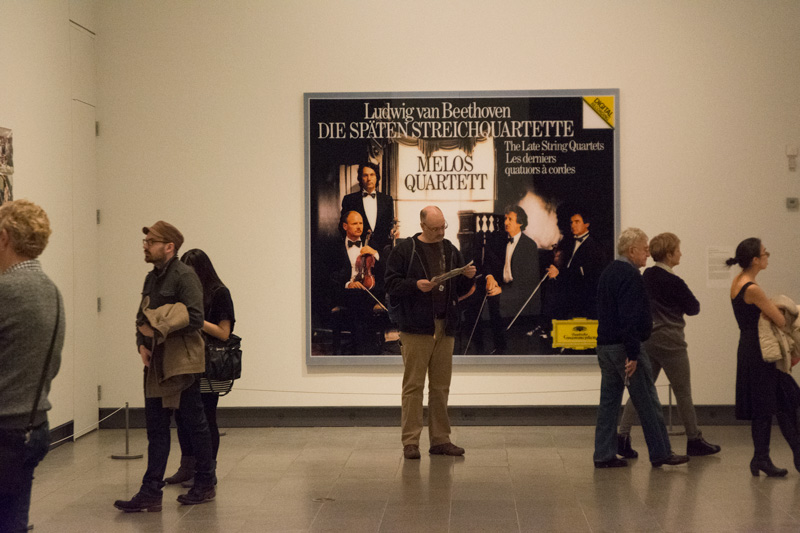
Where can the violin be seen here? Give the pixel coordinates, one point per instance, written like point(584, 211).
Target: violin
point(364, 265)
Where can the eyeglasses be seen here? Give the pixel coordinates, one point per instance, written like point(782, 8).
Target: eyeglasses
point(150, 242)
point(437, 228)
point(765, 254)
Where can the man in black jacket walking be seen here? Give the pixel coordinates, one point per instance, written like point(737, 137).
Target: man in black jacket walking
point(428, 320)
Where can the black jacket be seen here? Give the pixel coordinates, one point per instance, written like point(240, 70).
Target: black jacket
point(402, 273)
point(525, 271)
point(578, 281)
point(383, 224)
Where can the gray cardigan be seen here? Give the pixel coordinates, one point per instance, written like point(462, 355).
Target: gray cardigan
point(27, 318)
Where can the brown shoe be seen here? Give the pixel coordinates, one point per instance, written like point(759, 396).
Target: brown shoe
point(448, 448)
point(411, 451)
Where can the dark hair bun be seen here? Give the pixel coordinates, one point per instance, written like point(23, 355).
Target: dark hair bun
point(731, 261)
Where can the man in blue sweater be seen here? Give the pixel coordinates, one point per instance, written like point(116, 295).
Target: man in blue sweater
point(625, 322)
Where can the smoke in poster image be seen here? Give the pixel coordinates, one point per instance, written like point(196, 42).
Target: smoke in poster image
point(526, 183)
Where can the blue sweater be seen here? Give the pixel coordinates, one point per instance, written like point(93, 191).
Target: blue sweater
point(623, 309)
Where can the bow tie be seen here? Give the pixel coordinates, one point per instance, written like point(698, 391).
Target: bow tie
point(353, 243)
point(364, 194)
point(510, 240)
point(581, 239)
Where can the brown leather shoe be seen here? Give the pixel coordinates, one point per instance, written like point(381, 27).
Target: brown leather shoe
point(411, 451)
point(448, 448)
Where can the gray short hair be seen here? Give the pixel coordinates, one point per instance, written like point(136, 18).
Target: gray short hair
point(628, 239)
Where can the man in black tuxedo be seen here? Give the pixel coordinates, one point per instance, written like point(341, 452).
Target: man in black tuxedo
point(577, 278)
point(512, 280)
point(355, 310)
point(376, 209)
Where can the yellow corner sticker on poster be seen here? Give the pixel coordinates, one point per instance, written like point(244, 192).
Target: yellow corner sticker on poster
point(603, 106)
point(577, 333)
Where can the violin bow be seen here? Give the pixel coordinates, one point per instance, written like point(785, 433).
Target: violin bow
point(374, 298)
point(527, 301)
point(486, 295)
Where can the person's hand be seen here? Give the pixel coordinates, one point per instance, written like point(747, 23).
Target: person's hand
point(425, 285)
point(146, 330)
point(146, 355)
point(492, 287)
point(470, 271)
point(630, 367)
point(552, 272)
point(356, 285)
point(368, 250)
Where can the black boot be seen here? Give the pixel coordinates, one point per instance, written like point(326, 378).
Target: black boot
point(788, 422)
point(198, 494)
point(699, 447)
point(764, 464)
point(185, 471)
point(141, 501)
point(203, 490)
point(624, 447)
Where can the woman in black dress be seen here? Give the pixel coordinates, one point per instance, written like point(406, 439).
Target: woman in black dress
point(219, 321)
point(761, 389)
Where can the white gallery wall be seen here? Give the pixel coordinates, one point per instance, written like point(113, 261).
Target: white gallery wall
point(200, 107)
point(48, 100)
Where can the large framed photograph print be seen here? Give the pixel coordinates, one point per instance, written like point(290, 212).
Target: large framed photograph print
point(528, 184)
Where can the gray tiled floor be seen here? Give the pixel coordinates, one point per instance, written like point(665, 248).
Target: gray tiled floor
point(354, 479)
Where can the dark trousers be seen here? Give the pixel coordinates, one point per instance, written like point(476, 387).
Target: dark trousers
point(210, 401)
point(15, 494)
point(158, 438)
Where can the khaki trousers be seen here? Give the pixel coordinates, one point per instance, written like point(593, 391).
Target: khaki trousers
point(430, 355)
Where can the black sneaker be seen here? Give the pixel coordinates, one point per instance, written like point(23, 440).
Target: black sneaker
point(624, 447)
point(699, 447)
point(140, 502)
point(616, 462)
point(672, 460)
point(198, 495)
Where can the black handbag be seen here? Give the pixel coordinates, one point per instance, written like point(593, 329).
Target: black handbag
point(223, 358)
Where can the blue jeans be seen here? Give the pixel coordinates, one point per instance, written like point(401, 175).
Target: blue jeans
point(158, 420)
point(611, 359)
point(15, 501)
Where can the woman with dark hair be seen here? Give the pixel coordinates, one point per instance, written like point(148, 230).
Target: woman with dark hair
point(761, 389)
point(219, 321)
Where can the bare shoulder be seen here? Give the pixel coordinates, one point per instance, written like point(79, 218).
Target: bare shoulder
point(738, 282)
point(754, 294)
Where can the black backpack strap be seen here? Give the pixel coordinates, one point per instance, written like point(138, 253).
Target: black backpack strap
point(39, 389)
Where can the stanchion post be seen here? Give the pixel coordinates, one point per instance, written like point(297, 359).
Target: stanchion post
point(127, 439)
point(670, 408)
point(670, 430)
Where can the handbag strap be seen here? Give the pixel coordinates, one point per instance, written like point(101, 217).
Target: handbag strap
point(46, 362)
